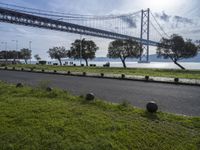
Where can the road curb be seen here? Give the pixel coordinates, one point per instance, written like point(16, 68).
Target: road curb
point(176, 81)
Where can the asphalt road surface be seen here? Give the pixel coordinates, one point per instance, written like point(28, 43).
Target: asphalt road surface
point(180, 99)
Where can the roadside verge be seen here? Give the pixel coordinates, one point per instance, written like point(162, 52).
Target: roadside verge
point(178, 81)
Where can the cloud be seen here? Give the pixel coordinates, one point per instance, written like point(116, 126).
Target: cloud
point(175, 21)
point(168, 18)
point(183, 20)
point(163, 16)
point(132, 22)
point(195, 31)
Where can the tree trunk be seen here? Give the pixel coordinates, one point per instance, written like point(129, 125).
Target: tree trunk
point(60, 62)
point(124, 63)
point(179, 65)
point(14, 61)
point(86, 62)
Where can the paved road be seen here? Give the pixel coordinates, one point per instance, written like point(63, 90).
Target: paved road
point(178, 99)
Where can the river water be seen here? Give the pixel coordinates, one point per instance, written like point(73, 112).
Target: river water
point(158, 65)
point(163, 65)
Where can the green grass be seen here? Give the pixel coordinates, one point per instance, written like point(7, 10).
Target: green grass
point(174, 73)
point(32, 118)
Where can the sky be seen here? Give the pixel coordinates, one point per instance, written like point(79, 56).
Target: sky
point(175, 16)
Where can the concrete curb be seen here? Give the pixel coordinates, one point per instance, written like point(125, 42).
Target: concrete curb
point(177, 81)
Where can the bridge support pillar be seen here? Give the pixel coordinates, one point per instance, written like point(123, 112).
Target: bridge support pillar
point(144, 34)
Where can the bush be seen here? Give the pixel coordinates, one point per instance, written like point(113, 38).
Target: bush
point(106, 64)
point(55, 64)
point(3, 65)
point(92, 65)
point(42, 62)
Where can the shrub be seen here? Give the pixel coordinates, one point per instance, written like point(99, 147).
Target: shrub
point(42, 62)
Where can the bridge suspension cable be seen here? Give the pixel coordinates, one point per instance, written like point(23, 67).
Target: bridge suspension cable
point(64, 15)
point(158, 24)
point(161, 35)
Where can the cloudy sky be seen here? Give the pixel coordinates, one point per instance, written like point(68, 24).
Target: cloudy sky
point(175, 16)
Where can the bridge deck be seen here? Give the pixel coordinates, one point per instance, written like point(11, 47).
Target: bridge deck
point(21, 18)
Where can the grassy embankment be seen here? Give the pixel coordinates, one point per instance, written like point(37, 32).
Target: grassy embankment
point(174, 73)
point(32, 118)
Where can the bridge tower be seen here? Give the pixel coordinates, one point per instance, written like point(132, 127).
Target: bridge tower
point(144, 35)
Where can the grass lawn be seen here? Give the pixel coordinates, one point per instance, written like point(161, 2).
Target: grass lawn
point(32, 118)
point(174, 73)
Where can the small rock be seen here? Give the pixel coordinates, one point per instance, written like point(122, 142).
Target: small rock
point(19, 85)
point(152, 107)
point(90, 97)
point(49, 89)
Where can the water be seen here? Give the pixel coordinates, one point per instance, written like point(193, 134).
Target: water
point(158, 65)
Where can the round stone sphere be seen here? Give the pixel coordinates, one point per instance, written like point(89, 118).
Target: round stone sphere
point(90, 97)
point(152, 107)
point(19, 85)
point(49, 89)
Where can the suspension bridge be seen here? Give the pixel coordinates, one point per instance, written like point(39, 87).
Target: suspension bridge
point(141, 26)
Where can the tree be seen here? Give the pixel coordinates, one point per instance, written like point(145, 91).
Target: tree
point(124, 49)
point(83, 49)
point(11, 54)
point(37, 57)
point(57, 53)
point(176, 49)
point(198, 44)
point(25, 54)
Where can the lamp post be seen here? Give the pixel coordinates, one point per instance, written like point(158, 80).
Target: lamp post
point(16, 47)
point(80, 49)
point(5, 50)
point(30, 42)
